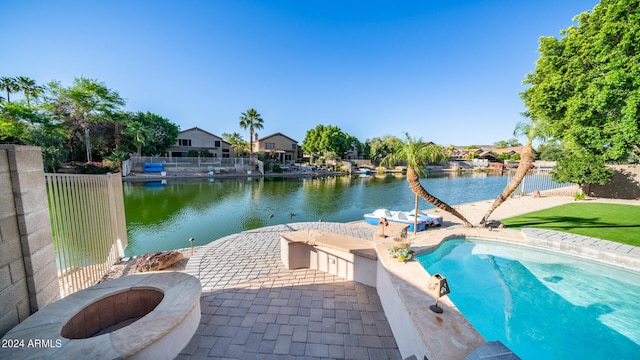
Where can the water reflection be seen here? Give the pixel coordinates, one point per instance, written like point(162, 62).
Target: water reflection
point(207, 210)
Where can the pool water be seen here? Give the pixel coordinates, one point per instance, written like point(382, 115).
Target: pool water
point(542, 305)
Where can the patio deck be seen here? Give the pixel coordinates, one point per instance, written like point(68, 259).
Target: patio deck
point(254, 308)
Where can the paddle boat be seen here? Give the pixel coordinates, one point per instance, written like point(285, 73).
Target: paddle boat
point(404, 217)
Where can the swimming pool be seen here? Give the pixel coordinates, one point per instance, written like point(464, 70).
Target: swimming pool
point(542, 305)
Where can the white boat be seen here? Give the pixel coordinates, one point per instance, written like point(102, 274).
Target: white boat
point(404, 217)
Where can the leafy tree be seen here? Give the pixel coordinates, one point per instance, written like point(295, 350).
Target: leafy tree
point(237, 143)
point(533, 130)
point(585, 86)
point(161, 133)
point(416, 153)
point(51, 141)
point(379, 148)
point(550, 152)
point(86, 101)
point(9, 85)
point(581, 169)
point(513, 142)
point(326, 138)
point(253, 121)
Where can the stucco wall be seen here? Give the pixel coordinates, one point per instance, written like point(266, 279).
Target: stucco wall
point(625, 184)
point(28, 275)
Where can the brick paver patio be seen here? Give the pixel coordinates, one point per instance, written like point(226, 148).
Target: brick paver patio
point(254, 308)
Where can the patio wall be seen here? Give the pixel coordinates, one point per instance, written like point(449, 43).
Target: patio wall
point(28, 276)
point(625, 184)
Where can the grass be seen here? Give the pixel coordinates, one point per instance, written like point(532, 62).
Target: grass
point(620, 223)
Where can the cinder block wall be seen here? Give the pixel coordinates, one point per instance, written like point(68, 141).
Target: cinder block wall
point(28, 275)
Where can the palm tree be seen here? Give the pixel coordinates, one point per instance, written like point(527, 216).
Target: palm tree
point(533, 130)
point(9, 85)
point(29, 87)
point(236, 141)
point(416, 153)
point(252, 120)
point(139, 133)
point(118, 157)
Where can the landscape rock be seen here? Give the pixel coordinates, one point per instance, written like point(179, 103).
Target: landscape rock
point(155, 261)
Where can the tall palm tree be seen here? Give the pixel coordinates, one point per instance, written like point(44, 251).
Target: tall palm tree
point(416, 153)
point(533, 129)
point(9, 85)
point(29, 87)
point(253, 121)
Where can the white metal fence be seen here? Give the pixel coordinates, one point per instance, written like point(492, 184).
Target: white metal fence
point(88, 225)
point(539, 179)
point(196, 161)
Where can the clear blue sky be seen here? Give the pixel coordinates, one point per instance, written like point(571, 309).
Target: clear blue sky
point(447, 71)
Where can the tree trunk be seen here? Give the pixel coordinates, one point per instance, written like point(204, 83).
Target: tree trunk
point(526, 159)
point(416, 187)
point(250, 143)
point(415, 218)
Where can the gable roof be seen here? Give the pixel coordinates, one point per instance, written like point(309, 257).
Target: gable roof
point(204, 131)
point(276, 134)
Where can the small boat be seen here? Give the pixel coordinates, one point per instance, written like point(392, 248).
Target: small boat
point(153, 167)
point(404, 217)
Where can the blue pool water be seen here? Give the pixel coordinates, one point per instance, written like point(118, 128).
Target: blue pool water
point(542, 305)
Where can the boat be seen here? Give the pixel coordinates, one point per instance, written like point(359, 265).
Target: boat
point(404, 217)
point(153, 167)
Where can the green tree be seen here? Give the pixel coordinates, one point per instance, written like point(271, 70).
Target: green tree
point(326, 138)
point(253, 121)
point(86, 101)
point(118, 157)
point(140, 134)
point(533, 130)
point(50, 140)
point(237, 143)
point(417, 154)
point(513, 142)
point(550, 152)
point(9, 85)
point(161, 133)
point(29, 87)
point(581, 169)
point(379, 148)
point(585, 85)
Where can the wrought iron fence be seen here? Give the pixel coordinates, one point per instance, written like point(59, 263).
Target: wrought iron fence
point(539, 179)
point(88, 225)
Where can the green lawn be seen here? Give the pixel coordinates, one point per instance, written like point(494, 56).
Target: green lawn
point(613, 222)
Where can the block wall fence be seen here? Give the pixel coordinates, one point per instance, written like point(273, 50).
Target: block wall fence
point(28, 275)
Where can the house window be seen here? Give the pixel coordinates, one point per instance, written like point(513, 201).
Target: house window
point(184, 142)
point(270, 146)
point(225, 150)
point(225, 155)
point(294, 146)
point(217, 143)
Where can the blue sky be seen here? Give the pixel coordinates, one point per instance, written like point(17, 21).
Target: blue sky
point(447, 71)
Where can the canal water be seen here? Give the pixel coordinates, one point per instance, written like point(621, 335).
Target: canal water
point(163, 216)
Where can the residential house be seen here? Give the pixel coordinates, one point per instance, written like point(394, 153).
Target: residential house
point(200, 141)
point(353, 153)
point(278, 147)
